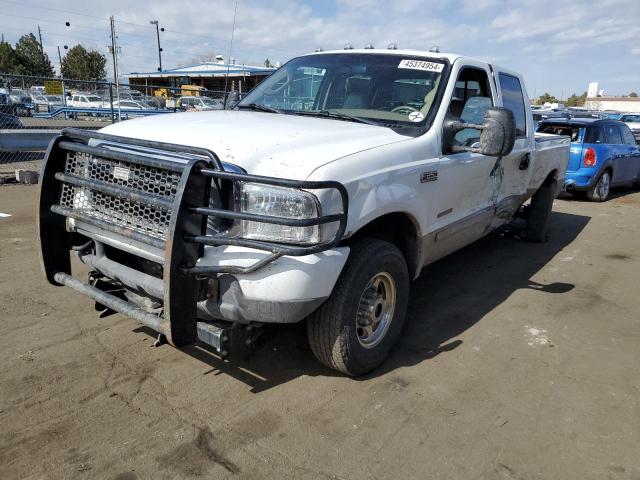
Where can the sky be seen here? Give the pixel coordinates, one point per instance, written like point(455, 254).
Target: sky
point(559, 47)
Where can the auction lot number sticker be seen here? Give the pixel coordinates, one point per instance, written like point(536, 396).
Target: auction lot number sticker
point(421, 65)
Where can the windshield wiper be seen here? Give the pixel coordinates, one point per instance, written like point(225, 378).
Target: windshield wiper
point(338, 115)
point(261, 108)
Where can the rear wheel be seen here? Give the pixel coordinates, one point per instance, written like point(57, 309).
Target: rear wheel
point(539, 213)
point(602, 188)
point(355, 329)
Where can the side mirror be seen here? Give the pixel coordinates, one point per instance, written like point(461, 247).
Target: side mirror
point(497, 133)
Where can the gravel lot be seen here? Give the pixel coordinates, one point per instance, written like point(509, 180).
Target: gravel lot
point(519, 361)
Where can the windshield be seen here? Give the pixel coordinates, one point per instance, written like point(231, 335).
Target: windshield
point(94, 99)
point(387, 89)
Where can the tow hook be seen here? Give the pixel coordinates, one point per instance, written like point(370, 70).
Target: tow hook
point(230, 339)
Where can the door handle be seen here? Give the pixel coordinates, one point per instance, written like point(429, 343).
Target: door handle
point(525, 160)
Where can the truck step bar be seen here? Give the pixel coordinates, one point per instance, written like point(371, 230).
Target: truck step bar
point(163, 196)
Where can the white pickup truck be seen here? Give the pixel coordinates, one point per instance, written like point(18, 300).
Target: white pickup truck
point(318, 198)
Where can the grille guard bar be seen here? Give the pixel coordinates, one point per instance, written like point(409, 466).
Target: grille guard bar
point(183, 244)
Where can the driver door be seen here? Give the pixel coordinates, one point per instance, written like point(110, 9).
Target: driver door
point(467, 183)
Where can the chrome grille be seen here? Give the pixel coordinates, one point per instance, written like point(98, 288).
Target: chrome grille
point(146, 219)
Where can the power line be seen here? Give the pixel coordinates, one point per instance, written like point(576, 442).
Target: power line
point(167, 30)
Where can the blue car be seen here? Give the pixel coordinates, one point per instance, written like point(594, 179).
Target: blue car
point(603, 155)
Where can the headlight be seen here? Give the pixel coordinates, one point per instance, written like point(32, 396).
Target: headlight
point(277, 202)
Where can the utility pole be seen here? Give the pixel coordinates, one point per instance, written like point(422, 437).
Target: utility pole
point(114, 53)
point(155, 22)
point(233, 30)
point(41, 47)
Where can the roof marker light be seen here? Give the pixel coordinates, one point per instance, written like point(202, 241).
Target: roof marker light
point(348, 46)
point(435, 49)
point(369, 46)
point(392, 46)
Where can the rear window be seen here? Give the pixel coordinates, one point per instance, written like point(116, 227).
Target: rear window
point(513, 99)
point(576, 132)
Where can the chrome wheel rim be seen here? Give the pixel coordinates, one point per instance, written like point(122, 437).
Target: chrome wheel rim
point(603, 185)
point(375, 310)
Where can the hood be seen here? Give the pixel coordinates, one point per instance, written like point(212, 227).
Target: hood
point(286, 146)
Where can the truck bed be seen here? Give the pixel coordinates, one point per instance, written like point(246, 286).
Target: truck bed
point(551, 153)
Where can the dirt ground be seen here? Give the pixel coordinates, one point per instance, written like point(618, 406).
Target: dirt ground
point(519, 361)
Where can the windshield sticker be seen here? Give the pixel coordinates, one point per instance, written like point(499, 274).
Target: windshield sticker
point(421, 65)
point(416, 116)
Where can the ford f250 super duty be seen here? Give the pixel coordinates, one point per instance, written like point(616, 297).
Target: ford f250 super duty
point(319, 197)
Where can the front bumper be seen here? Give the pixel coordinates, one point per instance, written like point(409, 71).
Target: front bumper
point(286, 291)
point(151, 201)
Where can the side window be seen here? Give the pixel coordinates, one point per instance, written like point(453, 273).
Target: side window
point(627, 136)
point(470, 100)
point(612, 133)
point(595, 135)
point(513, 99)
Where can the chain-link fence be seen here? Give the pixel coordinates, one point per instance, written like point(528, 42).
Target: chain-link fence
point(33, 110)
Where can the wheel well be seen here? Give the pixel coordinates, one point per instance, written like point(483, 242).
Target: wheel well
point(400, 229)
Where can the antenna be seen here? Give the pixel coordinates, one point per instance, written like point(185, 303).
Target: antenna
point(233, 29)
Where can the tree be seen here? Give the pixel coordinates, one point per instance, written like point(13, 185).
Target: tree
point(267, 63)
point(633, 95)
point(81, 64)
point(8, 58)
point(547, 98)
point(576, 100)
point(31, 60)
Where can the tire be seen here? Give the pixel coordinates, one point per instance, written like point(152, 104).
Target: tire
point(602, 188)
point(337, 332)
point(539, 213)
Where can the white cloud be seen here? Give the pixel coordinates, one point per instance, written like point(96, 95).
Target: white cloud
point(558, 46)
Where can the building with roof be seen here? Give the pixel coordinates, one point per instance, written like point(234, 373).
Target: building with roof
point(210, 75)
point(617, 104)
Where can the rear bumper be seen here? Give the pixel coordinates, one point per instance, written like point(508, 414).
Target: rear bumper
point(580, 180)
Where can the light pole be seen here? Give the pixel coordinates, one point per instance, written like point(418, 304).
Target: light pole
point(158, 30)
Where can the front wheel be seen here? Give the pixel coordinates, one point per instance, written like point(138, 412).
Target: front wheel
point(355, 329)
point(600, 192)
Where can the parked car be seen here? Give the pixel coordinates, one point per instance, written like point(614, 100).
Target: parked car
point(129, 104)
point(280, 211)
point(604, 154)
point(40, 102)
point(8, 121)
point(22, 101)
point(633, 121)
point(200, 103)
point(54, 102)
point(82, 100)
point(6, 106)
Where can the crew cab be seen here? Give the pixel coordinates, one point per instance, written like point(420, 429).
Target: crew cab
point(603, 155)
point(318, 198)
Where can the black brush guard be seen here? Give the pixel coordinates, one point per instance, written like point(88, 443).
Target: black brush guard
point(195, 172)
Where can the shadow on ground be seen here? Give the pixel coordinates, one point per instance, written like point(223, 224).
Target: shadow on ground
point(449, 297)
